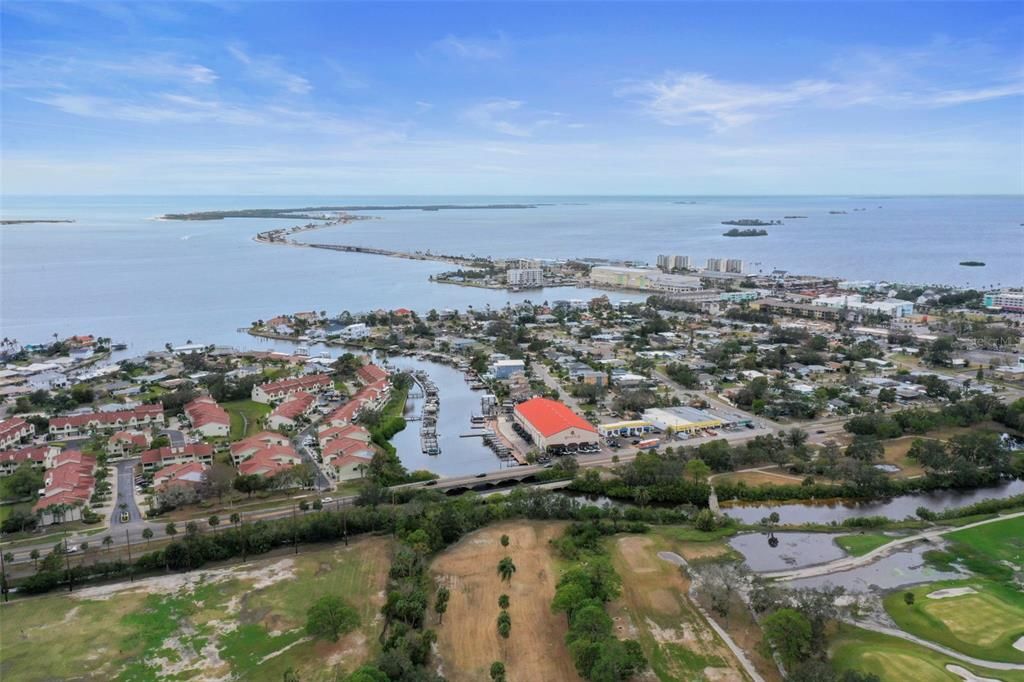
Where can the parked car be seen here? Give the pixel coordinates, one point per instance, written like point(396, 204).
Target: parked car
point(327, 500)
point(480, 476)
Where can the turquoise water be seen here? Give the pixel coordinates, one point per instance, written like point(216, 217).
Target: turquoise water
point(119, 272)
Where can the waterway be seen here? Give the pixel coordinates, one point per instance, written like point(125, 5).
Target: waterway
point(896, 508)
point(118, 272)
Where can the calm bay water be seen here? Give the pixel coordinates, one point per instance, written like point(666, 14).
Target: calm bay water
point(118, 272)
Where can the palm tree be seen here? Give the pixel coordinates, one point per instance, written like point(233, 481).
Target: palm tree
point(147, 534)
point(107, 542)
point(503, 602)
point(214, 521)
point(504, 541)
point(34, 555)
point(171, 529)
point(504, 624)
point(235, 518)
point(506, 569)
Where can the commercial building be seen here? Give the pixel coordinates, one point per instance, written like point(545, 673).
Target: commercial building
point(643, 279)
point(892, 307)
point(681, 419)
point(207, 417)
point(525, 278)
point(83, 424)
point(1008, 300)
point(504, 369)
point(552, 425)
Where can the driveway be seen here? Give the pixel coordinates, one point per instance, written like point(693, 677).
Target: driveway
point(126, 494)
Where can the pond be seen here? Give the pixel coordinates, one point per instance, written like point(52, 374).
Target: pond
point(906, 567)
point(795, 550)
point(894, 508)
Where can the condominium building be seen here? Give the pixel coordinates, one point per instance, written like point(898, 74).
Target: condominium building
point(715, 265)
point(644, 279)
point(733, 265)
point(1010, 301)
point(525, 278)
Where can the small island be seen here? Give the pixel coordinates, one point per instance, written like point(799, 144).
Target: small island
point(734, 232)
point(311, 212)
point(748, 222)
point(972, 263)
point(794, 217)
point(34, 222)
point(837, 212)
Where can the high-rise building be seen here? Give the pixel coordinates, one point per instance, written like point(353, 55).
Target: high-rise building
point(714, 264)
point(664, 262)
point(680, 262)
point(525, 278)
point(733, 265)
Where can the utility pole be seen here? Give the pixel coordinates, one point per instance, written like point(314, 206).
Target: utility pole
point(67, 563)
point(295, 529)
point(128, 540)
point(3, 577)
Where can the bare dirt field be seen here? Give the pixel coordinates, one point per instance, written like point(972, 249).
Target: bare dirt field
point(655, 610)
point(468, 640)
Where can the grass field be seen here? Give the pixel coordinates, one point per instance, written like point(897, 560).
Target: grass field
point(245, 417)
point(756, 478)
point(896, 660)
point(242, 622)
point(655, 609)
point(984, 625)
point(896, 453)
point(861, 543)
point(467, 641)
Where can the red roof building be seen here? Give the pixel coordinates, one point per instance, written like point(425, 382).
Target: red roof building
point(185, 473)
point(269, 461)
point(207, 417)
point(80, 424)
point(124, 442)
point(370, 373)
point(153, 460)
point(285, 415)
point(13, 431)
point(279, 390)
point(551, 423)
point(37, 456)
point(244, 449)
point(70, 482)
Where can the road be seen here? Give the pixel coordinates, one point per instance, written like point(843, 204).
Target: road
point(126, 496)
point(322, 482)
point(952, 653)
point(848, 563)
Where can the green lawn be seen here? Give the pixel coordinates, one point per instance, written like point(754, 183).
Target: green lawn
point(862, 543)
point(243, 622)
point(984, 625)
point(8, 509)
point(896, 660)
point(1000, 541)
point(245, 417)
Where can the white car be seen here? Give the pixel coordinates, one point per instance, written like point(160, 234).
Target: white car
point(327, 500)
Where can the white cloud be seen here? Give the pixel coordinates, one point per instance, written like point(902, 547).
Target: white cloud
point(679, 99)
point(476, 49)
point(491, 116)
point(269, 70)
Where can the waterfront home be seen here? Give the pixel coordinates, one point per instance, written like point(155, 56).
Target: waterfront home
point(349, 459)
point(14, 431)
point(328, 433)
point(354, 332)
point(39, 457)
point(125, 442)
point(286, 415)
point(153, 460)
point(68, 487)
point(190, 474)
point(370, 374)
point(84, 424)
point(244, 449)
point(208, 418)
point(269, 461)
point(276, 391)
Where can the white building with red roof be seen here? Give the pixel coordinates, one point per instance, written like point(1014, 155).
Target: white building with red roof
point(126, 442)
point(371, 373)
point(347, 457)
point(40, 457)
point(287, 414)
point(208, 418)
point(269, 461)
point(551, 423)
point(13, 431)
point(158, 458)
point(68, 486)
point(122, 420)
point(275, 391)
point(190, 474)
point(244, 449)
point(327, 433)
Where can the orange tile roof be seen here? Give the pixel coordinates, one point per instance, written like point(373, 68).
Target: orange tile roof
point(551, 417)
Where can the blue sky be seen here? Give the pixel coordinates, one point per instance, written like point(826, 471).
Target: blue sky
point(523, 98)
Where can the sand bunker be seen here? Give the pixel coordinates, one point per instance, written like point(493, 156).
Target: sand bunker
point(967, 675)
point(952, 592)
point(1019, 644)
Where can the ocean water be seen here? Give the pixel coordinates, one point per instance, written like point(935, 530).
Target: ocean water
point(119, 272)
